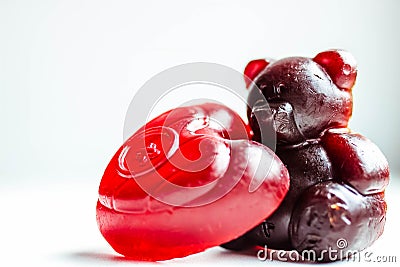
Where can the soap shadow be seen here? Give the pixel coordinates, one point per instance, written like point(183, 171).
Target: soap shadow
point(254, 254)
point(89, 256)
point(250, 253)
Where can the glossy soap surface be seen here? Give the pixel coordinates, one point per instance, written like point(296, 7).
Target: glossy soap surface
point(185, 182)
point(338, 177)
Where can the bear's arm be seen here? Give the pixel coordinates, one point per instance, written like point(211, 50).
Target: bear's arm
point(357, 161)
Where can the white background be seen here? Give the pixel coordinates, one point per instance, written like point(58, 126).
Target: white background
point(68, 70)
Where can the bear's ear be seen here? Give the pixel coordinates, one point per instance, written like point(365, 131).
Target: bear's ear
point(341, 67)
point(254, 68)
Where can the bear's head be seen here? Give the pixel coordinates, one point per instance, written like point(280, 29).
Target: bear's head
point(304, 96)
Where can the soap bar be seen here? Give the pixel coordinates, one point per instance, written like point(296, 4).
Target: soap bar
point(337, 176)
point(186, 181)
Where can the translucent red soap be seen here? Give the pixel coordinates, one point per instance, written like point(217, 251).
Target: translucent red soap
point(188, 180)
point(253, 68)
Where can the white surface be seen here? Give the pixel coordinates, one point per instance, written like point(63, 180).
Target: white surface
point(55, 225)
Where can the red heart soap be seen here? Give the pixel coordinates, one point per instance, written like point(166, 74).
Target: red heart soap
point(187, 181)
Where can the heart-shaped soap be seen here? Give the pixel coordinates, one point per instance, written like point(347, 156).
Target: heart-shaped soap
point(187, 181)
